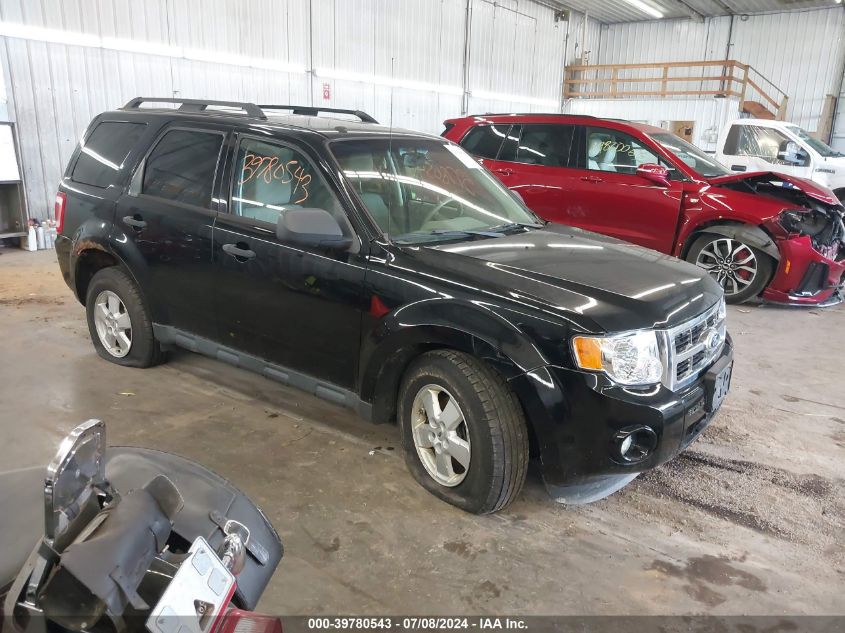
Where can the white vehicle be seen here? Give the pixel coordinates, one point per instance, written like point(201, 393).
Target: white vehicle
point(765, 145)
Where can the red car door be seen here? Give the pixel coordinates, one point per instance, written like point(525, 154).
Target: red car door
point(534, 161)
point(611, 197)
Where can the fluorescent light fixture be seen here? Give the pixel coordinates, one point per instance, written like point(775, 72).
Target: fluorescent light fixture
point(645, 8)
point(376, 80)
point(76, 38)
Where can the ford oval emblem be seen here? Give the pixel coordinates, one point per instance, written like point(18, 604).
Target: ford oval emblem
point(711, 339)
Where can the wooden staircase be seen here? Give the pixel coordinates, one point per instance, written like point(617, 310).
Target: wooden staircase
point(757, 110)
point(756, 95)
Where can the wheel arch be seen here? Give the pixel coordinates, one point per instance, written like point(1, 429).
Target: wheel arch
point(91, 259)
point(485, 332)
point(382, 374)
point(754, 236)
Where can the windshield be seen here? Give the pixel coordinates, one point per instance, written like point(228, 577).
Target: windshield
point(690, 155)
point(821, 147)
point(420, 190)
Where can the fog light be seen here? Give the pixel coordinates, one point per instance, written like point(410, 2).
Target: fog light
point(634, 444)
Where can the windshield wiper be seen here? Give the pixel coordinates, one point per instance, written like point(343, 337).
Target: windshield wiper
point(509, 226)
point(448, 234)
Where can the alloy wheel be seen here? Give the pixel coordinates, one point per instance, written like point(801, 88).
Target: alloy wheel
point(114, 327)
point(441, 435)
point(730, 262)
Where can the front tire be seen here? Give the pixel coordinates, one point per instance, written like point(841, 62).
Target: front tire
point(463, 431)
point(742, 270)
point(119, 322)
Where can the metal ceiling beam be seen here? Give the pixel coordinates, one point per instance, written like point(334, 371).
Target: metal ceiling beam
point(695, 15)
point(725, 6)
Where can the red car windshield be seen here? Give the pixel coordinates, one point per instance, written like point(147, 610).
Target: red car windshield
point(701, 163)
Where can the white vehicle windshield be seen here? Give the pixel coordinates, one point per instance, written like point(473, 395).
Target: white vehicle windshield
point(820, 146)
point(420, 190)
point(690, 155)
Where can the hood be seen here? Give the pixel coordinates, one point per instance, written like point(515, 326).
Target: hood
point(810, 188)
point(603, 284)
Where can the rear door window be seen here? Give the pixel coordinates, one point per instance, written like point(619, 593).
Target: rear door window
point(484, 141)
point(103, 152)
point(182, 165)
point(540, 144)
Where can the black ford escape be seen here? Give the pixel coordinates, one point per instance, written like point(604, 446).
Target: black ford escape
point(388, 271)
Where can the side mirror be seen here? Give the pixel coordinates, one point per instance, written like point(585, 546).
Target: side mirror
point(72, 477)
point(655, 173)
point(311, 227)
point(790, 152)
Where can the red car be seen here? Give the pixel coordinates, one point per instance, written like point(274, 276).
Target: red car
point(761, 233)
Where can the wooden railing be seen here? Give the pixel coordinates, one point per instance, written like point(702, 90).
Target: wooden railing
point(723, 78)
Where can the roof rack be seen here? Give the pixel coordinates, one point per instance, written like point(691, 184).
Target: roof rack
point(314, 111)
point(585, 116)
point(198, 105)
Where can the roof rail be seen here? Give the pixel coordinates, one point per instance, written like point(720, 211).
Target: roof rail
point(584, 116)
point(314, 111)
point(198, 105)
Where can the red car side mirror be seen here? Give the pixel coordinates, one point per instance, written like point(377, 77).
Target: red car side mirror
point(657, 174)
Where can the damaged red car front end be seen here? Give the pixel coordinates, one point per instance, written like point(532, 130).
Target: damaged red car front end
point(809, 235)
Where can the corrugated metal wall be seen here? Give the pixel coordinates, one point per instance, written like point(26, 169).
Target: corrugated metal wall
point(798, 51)
point(402, 61)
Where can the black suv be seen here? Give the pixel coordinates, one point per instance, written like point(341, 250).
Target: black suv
point(388, 271)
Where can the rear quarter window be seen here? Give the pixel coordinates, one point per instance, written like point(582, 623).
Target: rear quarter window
point(103, 152)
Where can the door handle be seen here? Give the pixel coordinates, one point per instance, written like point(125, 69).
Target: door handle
point(241, 254)
point(739, 167)
point(503, 172)
point(135, 221)
point(592, 179)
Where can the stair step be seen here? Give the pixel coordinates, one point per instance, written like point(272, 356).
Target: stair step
point(757, 110)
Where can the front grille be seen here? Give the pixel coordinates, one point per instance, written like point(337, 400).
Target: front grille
point(688, 350)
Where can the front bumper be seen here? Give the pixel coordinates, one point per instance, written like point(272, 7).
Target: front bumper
point(804, 276)
point(576, 418)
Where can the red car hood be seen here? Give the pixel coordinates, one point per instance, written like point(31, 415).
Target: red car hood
point(812, 189)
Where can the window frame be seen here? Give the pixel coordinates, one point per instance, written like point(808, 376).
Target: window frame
point(136, 183)
point(127, 161)
point(229, 184)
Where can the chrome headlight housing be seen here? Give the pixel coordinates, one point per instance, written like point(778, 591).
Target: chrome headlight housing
point(627, 358)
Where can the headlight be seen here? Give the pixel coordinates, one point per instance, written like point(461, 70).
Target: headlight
point(630, 358)
point(723, 309)
point(793, 220)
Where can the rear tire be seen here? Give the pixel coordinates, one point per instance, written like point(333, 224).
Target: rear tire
point(742, 270)
point(119, 322)
point(475, 455)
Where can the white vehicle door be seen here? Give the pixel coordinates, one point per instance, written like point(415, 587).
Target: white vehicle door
point(759, 148)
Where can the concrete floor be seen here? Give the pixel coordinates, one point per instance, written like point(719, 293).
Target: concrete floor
point(748, 521)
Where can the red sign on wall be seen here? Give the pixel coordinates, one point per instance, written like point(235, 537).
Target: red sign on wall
point(327, 92)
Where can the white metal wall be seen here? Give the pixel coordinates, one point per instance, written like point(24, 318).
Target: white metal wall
point(799, 52)
point(709, 115)
point(402, 61)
